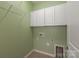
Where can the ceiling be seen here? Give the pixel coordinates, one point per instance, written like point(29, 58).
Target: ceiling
point(37, 1)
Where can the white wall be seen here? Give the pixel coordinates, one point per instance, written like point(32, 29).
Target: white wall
point(72, 15)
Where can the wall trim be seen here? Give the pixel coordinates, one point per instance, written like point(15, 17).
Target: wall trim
point(29, 53)
point(59, 46)
point(42, 52)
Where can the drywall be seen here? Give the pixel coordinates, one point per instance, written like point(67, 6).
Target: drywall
point(44, 4)
point(51, 36)
point(57, 34)
point(72, 15)
point(15, 31)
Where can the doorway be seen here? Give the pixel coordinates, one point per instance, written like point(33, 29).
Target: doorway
point(59, 52)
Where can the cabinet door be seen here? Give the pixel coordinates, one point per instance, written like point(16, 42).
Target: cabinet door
point(49, 16)
point(59, 15)
point(37, 18)
point(33, 18)
point(40, 17)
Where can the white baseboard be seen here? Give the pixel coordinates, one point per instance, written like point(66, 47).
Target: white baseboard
point(42, 52)
point(28, 53)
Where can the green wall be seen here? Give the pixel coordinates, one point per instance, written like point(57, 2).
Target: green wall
point(56, 33)
point(16, 34)
point(15, 31)
point(45, 4)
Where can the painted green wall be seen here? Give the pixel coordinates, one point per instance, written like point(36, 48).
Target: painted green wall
point(44, 4)
point(15, 31)
point(56, 33)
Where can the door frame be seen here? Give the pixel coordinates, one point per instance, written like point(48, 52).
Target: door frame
point(59, 46)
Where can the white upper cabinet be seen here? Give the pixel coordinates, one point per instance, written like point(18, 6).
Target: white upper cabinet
point(59, 15)
point(49, 16)
point(40, 17)
point(33, 18)
point(37, 18)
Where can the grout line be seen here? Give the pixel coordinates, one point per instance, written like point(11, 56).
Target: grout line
point(6, 14)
